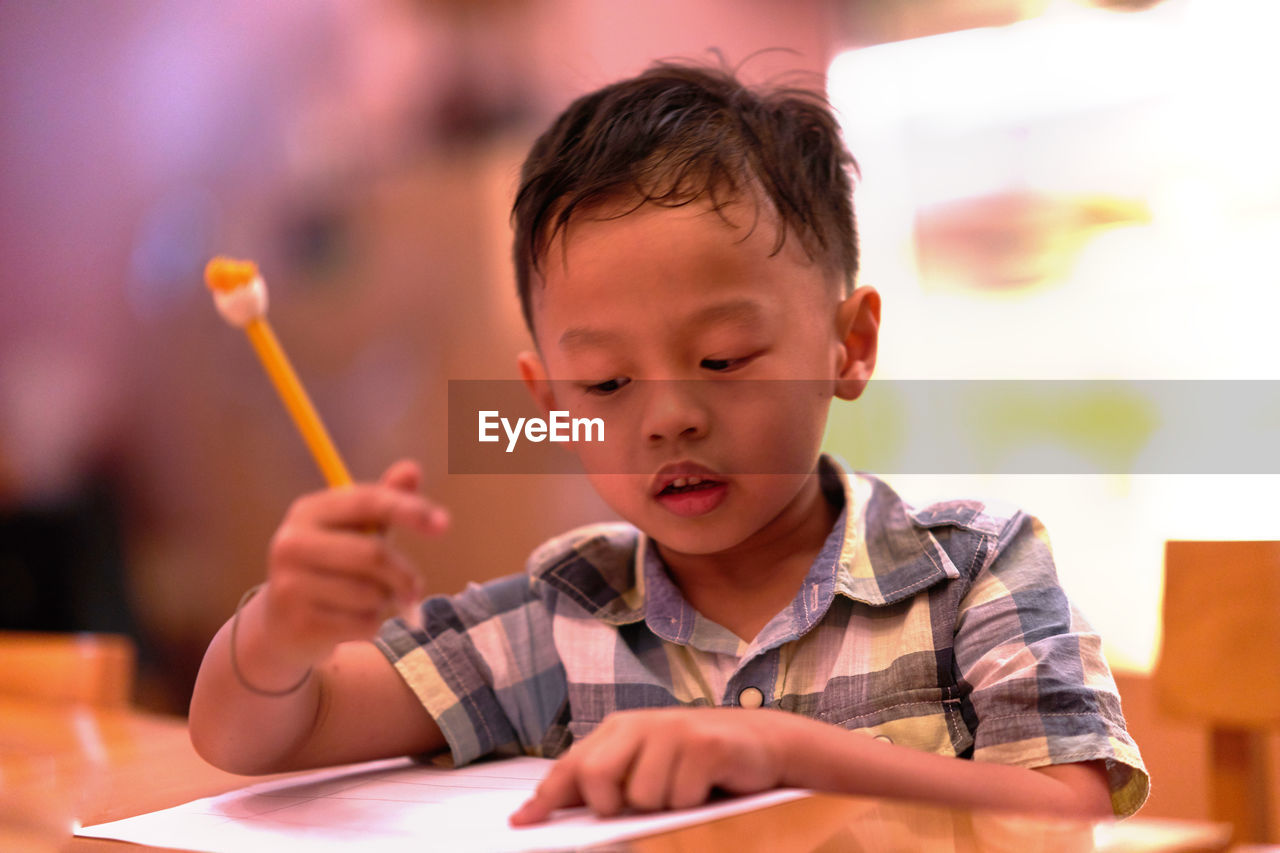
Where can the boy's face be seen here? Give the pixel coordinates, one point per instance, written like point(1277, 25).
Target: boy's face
point(651, 319)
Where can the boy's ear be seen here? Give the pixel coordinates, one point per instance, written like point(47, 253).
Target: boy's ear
point(858, 330)
point(534, 374)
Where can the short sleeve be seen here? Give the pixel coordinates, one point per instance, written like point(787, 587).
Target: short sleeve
point(484, 666)
point(1038, 689)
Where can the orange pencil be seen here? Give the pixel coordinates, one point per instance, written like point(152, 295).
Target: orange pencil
point(241, 297)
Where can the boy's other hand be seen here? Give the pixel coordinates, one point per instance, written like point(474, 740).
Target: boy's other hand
point(333, 574)
point(665, 758)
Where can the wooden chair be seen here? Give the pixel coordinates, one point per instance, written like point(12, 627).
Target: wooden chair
point(96, 669)
point(1220, 665)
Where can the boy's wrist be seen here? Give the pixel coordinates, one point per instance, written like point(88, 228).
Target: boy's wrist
point(260, 655)
point(234, 653)
point(802, 747)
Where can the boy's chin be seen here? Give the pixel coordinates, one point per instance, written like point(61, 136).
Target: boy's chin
point(694, 543)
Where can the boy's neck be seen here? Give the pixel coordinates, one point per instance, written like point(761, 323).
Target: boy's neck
point(743, 588)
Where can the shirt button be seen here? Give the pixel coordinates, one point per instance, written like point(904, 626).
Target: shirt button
point(884, 738)
point(751, 697)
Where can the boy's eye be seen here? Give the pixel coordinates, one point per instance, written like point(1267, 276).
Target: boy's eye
point(607, 387)
point(723, 364)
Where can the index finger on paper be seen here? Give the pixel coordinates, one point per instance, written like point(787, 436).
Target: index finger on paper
point(558, 790)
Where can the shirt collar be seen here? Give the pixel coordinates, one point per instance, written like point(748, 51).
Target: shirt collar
point(887, 553)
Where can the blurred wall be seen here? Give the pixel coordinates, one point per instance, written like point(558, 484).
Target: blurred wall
point(365, 155)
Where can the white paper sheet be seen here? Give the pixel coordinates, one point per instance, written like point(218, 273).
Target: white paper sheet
point(397, 805)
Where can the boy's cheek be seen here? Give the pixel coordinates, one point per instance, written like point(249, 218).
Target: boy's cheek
point(605, 454)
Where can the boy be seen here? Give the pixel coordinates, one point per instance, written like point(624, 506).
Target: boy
point(764, 617)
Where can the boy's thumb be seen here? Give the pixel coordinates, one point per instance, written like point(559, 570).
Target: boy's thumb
point(404, 475)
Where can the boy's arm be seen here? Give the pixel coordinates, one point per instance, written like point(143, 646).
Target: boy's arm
point(1034, 673)
point(353, 707)
point(307, 688)
point(846, 762)
point(673, 758)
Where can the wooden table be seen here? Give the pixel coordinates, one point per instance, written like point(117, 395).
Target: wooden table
point(61, 763)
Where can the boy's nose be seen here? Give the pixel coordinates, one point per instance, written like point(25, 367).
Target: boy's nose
point(674, 409)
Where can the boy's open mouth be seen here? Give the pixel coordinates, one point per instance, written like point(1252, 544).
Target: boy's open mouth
point(681, 485)
point(680, 477)
point(688, 489)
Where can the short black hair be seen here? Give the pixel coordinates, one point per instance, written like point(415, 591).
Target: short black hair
point(680, 132)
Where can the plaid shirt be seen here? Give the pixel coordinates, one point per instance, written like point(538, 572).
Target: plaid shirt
point(942, 629)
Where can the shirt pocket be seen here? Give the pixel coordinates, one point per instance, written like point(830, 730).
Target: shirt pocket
point(924, 718)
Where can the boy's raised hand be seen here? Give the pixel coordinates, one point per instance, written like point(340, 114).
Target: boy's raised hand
point(666, 758)
point(281, 688)
point(333, 574)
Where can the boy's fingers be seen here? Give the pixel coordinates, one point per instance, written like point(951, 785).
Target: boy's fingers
point(346, 624)
point(690, 782)
point(343, 594)
point(404, 475)
point(650, 781)
point(559, 790)
point(353, 556)
point(593, 774)
point(602, 775)
point(366, 506)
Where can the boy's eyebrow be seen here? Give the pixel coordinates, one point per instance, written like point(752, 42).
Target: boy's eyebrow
point(585, 337)
point(736, 311)
point(739, 311)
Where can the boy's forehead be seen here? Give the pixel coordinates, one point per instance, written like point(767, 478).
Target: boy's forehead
point(606, 255)
point(732, 311)
point(624, 231)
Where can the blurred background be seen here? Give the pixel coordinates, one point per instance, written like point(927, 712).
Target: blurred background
point(1051, 190)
